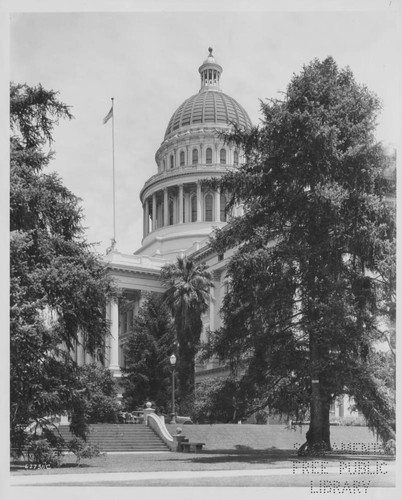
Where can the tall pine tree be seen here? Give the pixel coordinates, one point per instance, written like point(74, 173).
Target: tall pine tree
point(58, 288)
point(313, 275)
point(150, 342)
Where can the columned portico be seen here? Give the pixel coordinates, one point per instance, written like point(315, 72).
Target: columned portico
point(134, 276)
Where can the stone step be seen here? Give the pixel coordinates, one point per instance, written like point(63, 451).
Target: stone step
point(120, 437)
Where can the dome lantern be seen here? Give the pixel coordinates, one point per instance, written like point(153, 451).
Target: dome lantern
point(209, 107)
point(210, 72)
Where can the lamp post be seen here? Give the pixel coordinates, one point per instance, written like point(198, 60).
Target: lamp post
point(172, 360)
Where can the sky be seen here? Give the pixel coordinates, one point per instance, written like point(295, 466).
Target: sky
point(148, 62)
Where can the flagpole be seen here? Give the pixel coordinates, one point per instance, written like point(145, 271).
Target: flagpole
point(114, 195)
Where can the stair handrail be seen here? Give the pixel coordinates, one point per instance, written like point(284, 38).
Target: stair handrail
point(158, 425)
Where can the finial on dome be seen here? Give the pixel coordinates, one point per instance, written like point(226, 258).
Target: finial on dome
point(210, 49)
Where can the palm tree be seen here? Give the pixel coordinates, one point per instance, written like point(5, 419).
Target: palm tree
point(187, 295)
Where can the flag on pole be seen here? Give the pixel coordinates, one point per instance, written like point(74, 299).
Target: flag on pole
point(108, 116)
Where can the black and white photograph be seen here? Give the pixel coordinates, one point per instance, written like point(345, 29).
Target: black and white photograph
point(200, 274)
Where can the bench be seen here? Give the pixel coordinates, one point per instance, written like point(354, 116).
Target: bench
point(188, 447)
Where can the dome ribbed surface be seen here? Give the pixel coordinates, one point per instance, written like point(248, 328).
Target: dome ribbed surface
point(206, 108)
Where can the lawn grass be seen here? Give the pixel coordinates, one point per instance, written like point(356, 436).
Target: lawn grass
point(262, 437)
point(227, 447)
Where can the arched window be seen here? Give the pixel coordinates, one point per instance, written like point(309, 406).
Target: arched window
point(181, 158)
point(164, 165)
point(171, 161)
point(195, 156)
point(194, 208)
point(208, 156)
point(223, 208)
point(223, 156)
point(236, 158)
point(171, 213)
point(208, 207)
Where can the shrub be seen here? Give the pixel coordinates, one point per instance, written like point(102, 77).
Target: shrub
point(217, 400)
point(390, 447)
point(101, 403)
point(82, 449)
point(261, 417)
point(42, 453)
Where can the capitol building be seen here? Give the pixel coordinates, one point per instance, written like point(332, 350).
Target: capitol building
point(179, 212)
point(179, 215)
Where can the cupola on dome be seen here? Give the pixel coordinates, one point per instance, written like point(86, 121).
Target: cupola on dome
point(210, 106)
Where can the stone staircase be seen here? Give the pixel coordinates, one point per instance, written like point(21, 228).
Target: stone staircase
point(120, 437)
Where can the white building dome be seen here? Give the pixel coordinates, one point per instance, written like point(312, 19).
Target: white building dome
point(178, 210)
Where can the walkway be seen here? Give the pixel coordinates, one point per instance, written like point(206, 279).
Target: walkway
point(271, 477)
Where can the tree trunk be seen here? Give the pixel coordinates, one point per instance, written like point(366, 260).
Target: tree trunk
point(318, 434)
point(326, 403)
point(186, 365)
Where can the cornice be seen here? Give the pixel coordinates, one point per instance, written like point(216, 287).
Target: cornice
point(181, 173)
point(134, 270)
point(188, 134)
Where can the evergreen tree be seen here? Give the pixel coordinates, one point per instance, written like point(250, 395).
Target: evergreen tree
point(58, 288)
point(312, 280)
point(188, 287)
point(150, 342)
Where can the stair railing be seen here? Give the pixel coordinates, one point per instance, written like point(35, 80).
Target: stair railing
point(158, 425)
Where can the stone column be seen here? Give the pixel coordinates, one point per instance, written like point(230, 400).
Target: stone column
point(199, 211)
point(217, 205)
point(180, 219)
point(165, 207)
point(114, 339)
point(146, 217)
point(144, 233)
point(175, 208)
point(154, 214)
point(187, 208)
